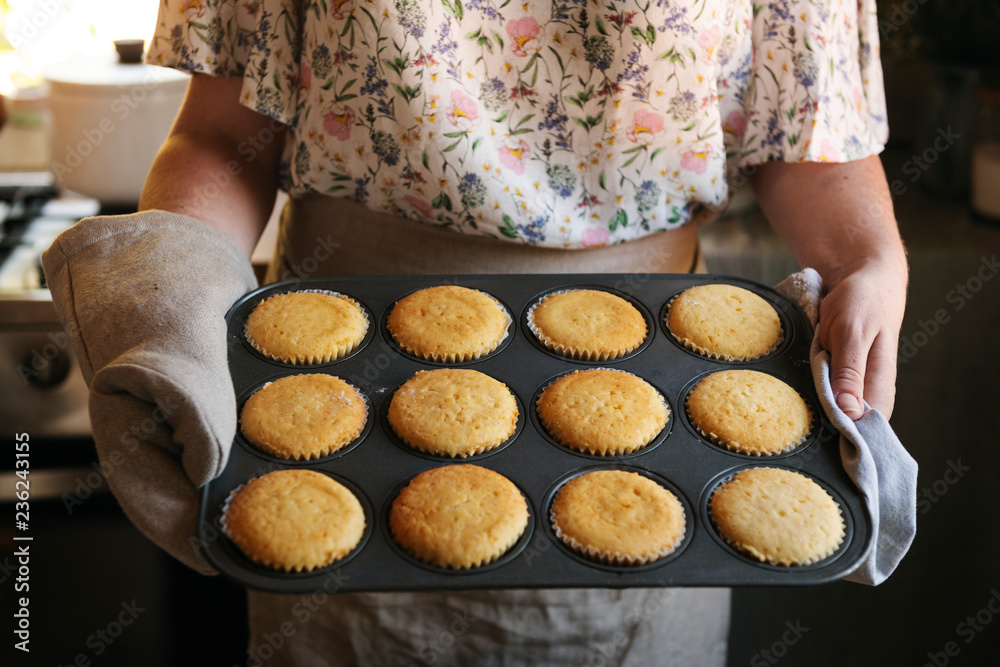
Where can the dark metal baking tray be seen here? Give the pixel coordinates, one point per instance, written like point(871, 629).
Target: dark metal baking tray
point(377, 466)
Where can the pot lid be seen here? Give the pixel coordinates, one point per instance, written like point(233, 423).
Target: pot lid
point(109, 74)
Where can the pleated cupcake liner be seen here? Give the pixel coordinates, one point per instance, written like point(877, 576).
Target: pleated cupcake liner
point(621, 451)
point(319, 454)
point(574, 353)
point(694, 347)
point(734, 447)
point(458, 357)
point(749, 550)
point(263, 561)
point(309, 359)
point(617, 558)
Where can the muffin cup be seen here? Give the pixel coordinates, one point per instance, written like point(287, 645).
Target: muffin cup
point(224, 525)
point(300, 569)
point(311, 360)
point(502, 554)
point(616, 558)
point(691, 345)
point(316, 455)
point(589, 450)
point(745, 552)
point(472, 565)
point(719, 442)
point(577, 354)
point(459, 358)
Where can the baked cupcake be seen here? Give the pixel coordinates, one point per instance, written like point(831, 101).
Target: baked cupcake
point(588, 325)
point(453, 412)
point(459, 516)
point(777, 516)
point(618, 518)
point(294, 520)
point(602, 411)
point(448, 323)
point(724, 322)
point(749, 412)
point(306, 327)
point(303, 417)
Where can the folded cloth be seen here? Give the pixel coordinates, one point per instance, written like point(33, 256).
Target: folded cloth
point(873, 457)
point(144, 299)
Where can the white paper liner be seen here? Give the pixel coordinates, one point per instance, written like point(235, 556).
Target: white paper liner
point(482, 562)
point(315, 456)
point(618, 558)
point(310, 359)
point(472, 565)
point(593, 451)
point(472, 452)
point(752, 553)
point(572, 352)
point(456, 358)
point(224, 525)
point(734, 447)
point(691, 345)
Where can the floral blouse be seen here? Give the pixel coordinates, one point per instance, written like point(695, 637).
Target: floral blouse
point(565, 123)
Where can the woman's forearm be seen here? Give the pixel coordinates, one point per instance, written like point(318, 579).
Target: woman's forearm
point(838, 219)
point(832, 215)
point(219, 164)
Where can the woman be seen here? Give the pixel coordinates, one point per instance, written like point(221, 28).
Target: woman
point(555, 137)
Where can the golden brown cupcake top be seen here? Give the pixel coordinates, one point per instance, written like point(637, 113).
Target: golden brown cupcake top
point(586, 324)
point(749, 412)
point(618, 517)
point(448, 323)
point(724, 322)
point(294, 520)
point(306, 327)
point(458, 516)
point(453, 412)
point(602, 411)
point(303, 416)
point(777, 516)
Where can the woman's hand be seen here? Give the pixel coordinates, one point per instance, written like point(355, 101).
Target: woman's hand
point(838, 219)
point(859, 321)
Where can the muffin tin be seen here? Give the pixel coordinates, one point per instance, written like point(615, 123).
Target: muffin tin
point(377, 465)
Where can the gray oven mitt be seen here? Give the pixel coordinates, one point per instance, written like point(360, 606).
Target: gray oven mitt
point(880, 466)
point(144, 299)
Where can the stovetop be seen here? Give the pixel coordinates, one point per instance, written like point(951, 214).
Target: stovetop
point(32, 213)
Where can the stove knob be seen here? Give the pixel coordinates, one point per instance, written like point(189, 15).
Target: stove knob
point(45, 372)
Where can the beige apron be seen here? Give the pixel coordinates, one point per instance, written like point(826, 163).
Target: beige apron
point(552, 627)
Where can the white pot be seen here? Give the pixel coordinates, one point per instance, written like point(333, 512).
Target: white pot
point(108, 121)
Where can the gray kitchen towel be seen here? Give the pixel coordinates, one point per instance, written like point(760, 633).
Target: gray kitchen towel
point(873, 456)
point(144, 299)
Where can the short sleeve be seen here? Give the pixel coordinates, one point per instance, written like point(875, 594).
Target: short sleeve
point(815, 92)
point(258, 41)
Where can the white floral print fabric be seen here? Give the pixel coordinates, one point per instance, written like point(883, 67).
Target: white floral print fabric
point(564, 123)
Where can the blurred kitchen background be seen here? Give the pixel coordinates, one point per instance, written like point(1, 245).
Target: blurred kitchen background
point(942, 72)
